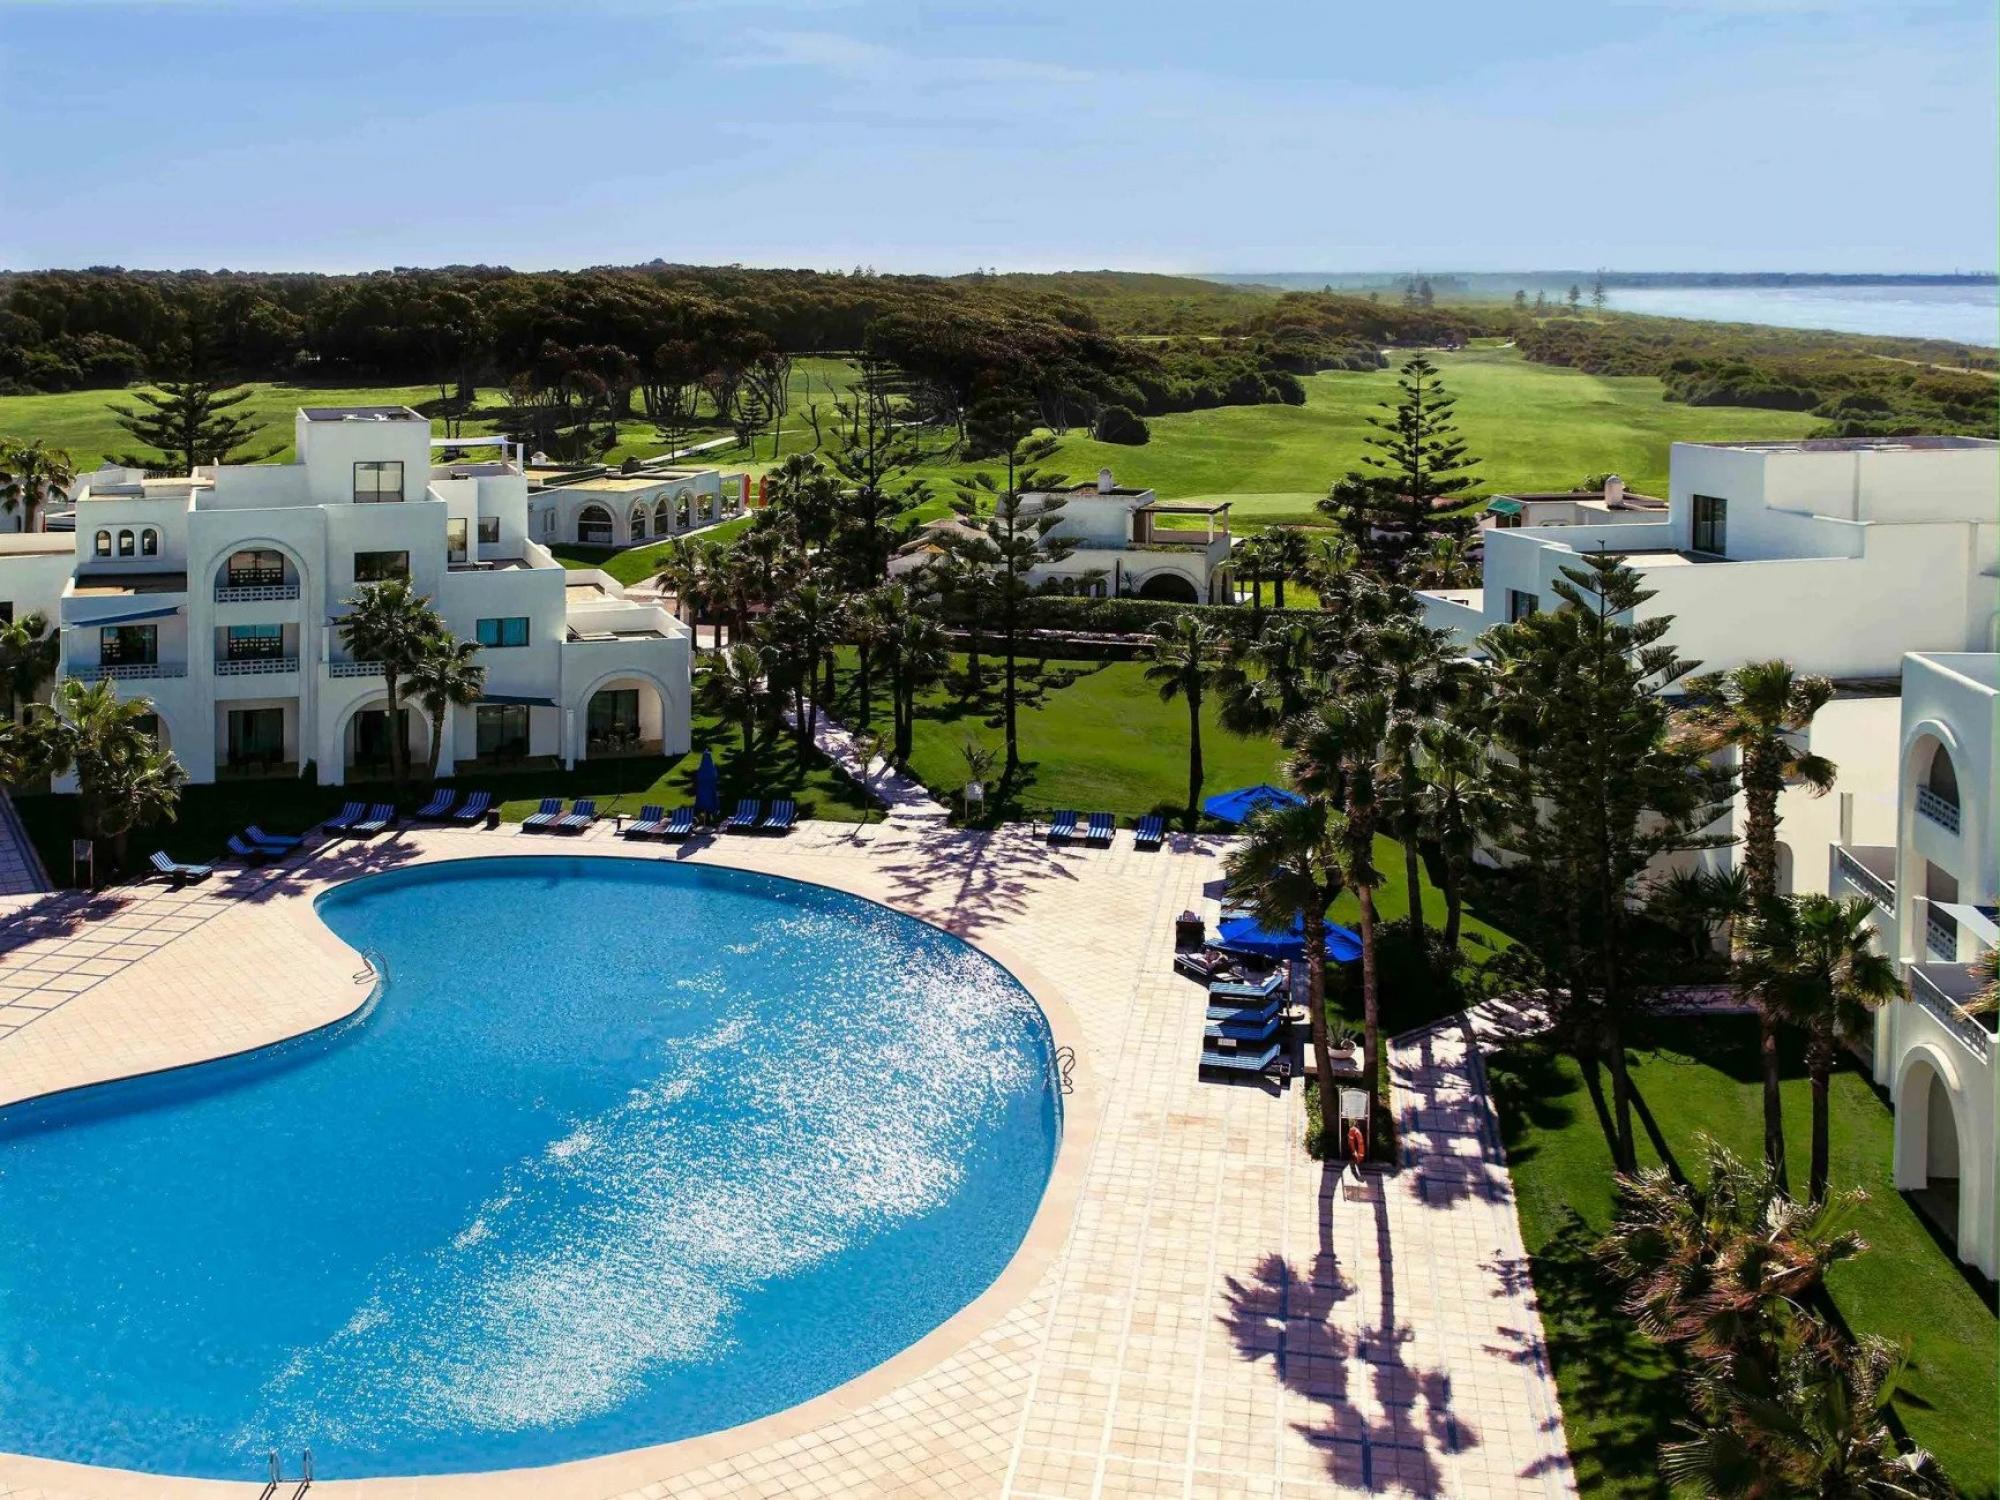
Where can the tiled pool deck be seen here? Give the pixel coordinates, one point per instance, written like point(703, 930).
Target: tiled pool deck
point(1199, 1310)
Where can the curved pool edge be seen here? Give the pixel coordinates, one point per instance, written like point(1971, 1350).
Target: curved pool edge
point(634, 1468)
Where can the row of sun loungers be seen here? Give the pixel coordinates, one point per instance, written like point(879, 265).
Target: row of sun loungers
point(653, 823)
point(1150, 833)
point(1244, 1031)
point(746, 819)
point(550, 817)
point(444, 807)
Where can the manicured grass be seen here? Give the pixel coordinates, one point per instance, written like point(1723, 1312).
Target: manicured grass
point(1620, 1396)
point(636, 563)
point(209, 814)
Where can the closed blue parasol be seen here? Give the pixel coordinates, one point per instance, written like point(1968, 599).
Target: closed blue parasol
point(1237, 806)
point(707, 786)
point(1245, 935)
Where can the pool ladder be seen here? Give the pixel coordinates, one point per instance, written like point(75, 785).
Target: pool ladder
point(278, 1474)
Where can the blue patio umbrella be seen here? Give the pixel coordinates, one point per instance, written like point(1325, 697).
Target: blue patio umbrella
point(707, 786)
point(1237, 806)
point(1246, 935)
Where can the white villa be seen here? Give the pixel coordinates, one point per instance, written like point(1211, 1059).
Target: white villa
point(596, 506)
point(1571, 507)
point(217, 595)
point(1118, 546)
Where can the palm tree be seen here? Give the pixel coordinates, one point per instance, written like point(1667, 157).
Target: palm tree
point(1461, 806)
point(28, 653)
point(1263, 680)
point(1336, 759)
point(124, 780)
point(447, 674)
point(1812, 961)
point(29, 474)
point(1445, 562)
point(1762, 710)
point(805, 626)
point(917, 654)
point(392, 625)
point(1183, 666)
point(732, 687)
point(686, 571)
point(1247, 559)
point(1417, 671)
point(1985, 971)
point(1286, 555)
point(1330, 569)
point(1288, 868)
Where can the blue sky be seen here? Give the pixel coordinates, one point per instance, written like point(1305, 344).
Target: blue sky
point(1635, 134)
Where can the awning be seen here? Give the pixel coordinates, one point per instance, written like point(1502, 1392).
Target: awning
point(1504, 507)
point(129, 617)
point(514, 700)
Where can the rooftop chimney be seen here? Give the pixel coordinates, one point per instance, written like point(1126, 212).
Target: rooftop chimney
point(1614, 490)
point(1103, 481)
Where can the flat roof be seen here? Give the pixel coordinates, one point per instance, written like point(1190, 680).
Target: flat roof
point(615, 483)
point(1919, 444)
point(1186, 507)
point(100, 585)
point(363, 414)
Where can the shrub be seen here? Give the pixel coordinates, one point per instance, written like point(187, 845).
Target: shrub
point(1119, 424)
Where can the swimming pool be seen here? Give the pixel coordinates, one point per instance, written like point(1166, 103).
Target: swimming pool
point(624, 1151)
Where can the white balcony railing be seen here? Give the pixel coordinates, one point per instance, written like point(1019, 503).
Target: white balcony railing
point(1940, 811)
point(256, 666)
point(255, 593)
point(1941, 936)
point(1933, 998)
point(1878, 890)
point(354, 669)
point(130, 671)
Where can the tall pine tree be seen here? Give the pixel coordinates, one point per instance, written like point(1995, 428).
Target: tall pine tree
point(192, 419)
point(1388, 506)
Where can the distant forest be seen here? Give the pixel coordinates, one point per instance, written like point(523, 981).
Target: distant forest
point(572, 348)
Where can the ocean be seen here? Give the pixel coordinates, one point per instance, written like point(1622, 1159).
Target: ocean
point(1963, 314)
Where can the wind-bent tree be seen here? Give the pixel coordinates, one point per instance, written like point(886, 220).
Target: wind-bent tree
point(1597, 789)
point(29, 649)
point(1184, 665)
point(1388, 507)
point(1018, 536)
point(392, 625)
point(1811, 960)
point(192, 418)
point(446, 674)
point(31, 475)
point(124, 780)
point(1288, 868)
point(1762, 710)
point(732, 687)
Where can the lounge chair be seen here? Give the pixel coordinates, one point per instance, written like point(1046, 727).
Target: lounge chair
point(652, 820)
point(1102, 826)
point(277, 843)
point(177, 872)
point(344, 820)
point(744, 819)
point(1247, 989)
point(473, 808)
point(1254, 1061)
point(581, 816)
point(780, 818)
point(680, 825)
point(1245, 1032)
point(249, 853)
point(1205, 965)
point(1254, 1015)
point(545, 817)
point(380, 817)
point(1151, 832)
point(1062, 827)
point(439, 806)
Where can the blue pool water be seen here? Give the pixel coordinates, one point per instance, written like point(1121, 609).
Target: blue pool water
point(625, 1151)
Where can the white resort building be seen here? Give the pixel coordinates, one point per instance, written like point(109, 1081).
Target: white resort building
point(593, 505)
point(1118, 546)
point(218, 594)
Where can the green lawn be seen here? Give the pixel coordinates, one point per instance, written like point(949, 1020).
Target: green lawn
point(1536, 426)
point(1619, 1394)
point(209, 814)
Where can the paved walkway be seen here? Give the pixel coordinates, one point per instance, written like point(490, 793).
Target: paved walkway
point(903, 795)
point(1199, 1309)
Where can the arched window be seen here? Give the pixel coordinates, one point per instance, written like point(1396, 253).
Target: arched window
point(662, 518)
point(594, 526)
point(1943, 777)
point(103, 544)
point(149, 542)
point(127, 544)
point(639, 521)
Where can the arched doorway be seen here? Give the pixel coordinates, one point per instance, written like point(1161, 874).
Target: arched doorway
point(1928, 1148)
point(1172, 588)
point(623, 716)
point(366, 745)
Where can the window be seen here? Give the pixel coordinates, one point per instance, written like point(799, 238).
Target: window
point(103, 546)
point(549, 522)
point(149, 543)
point(500, 730)
point(256, 736)
point(127, 546)
point(614, 717)
point(593, 526)
point(1521, 604)
point(128, 645)
point(454, 540)
point(489, 530)
point(638, 522)
point(255, 567)
point(1711, 524)
point(378, 483)
point(378, 567)
point(510, 631)
point(662, 517)
point(251, 642)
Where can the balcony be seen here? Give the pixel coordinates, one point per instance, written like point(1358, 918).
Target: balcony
point(354, 669)
point(1940, 936)
point(1943, 990)
point(1939, 810)
point(1870, 869)
point(255, 666)
point(129, 671)
point(255, 593)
